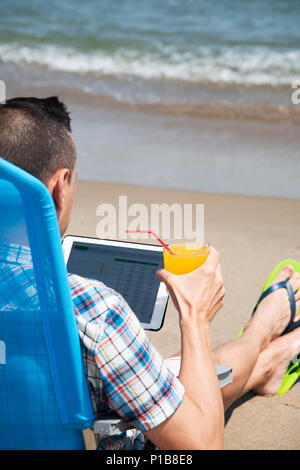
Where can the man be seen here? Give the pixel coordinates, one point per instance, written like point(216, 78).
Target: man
point(125, 372)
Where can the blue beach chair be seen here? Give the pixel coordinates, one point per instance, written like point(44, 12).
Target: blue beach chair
point(44, 395)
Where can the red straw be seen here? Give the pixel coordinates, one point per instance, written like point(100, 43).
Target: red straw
point(157, 238)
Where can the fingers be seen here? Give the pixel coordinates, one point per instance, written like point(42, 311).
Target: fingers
point(168, 278)
point(210, 264)
point(199, 290)
point(213, 259)
point(218, 301)
point(215, 308)
point(209, 269)
point(219, 276)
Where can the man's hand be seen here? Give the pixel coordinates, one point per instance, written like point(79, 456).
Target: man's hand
point(198, 423)
point(199, 294)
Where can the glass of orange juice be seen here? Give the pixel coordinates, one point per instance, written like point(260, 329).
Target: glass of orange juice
point(188, 256)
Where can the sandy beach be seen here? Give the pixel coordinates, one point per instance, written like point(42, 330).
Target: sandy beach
point(253, 234)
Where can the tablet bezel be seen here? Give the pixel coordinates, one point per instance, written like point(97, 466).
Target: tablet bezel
point(162, 297)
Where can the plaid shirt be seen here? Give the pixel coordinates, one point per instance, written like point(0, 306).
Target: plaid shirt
point(125, 372)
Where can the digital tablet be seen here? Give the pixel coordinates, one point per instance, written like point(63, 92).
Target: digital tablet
point(128, 268)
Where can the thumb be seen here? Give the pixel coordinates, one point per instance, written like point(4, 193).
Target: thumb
point(163, 275)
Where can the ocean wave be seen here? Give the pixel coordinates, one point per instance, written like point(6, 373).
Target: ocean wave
point(255, 66)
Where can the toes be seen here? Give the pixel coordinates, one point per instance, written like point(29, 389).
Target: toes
point(285, 273)
point(297, 308)
point(297, 299)
point(288, 272)
point(295, 282)
point(297, 295)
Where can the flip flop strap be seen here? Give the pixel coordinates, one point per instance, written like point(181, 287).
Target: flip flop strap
point(292, 326)
point(294, 369)
point(286, 285)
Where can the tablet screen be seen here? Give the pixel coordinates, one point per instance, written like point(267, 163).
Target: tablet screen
point(129, 271)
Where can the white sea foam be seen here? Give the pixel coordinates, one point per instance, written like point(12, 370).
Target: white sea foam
point(255, 66)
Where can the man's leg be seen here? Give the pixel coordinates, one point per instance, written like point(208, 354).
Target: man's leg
point(272, 364)
point(266, 376)
point(248, 355)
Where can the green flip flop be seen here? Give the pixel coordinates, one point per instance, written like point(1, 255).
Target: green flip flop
point(293, 372)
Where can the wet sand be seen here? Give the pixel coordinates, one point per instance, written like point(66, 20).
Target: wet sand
point(253, 234)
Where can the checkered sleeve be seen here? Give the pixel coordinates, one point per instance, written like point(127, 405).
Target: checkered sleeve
point(134, 378)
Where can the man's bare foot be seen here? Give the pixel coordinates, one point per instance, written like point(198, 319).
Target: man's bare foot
point(274, 361)
point(274, 311)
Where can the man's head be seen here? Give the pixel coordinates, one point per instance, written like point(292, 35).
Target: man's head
point(35, 134)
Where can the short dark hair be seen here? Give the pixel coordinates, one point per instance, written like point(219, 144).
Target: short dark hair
point(35, 135)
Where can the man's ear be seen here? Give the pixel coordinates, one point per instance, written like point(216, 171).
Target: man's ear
point(56, 186)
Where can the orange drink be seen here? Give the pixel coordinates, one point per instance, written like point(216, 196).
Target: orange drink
point(187, 256)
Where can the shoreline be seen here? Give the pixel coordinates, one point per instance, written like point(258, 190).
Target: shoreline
point(164, 96)
point(212, 155)
point(119, 184)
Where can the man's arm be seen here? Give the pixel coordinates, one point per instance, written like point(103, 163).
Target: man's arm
point(198, 422)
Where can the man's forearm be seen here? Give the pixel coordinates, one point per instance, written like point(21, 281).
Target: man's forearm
point(198, 375)
point(198, 422)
